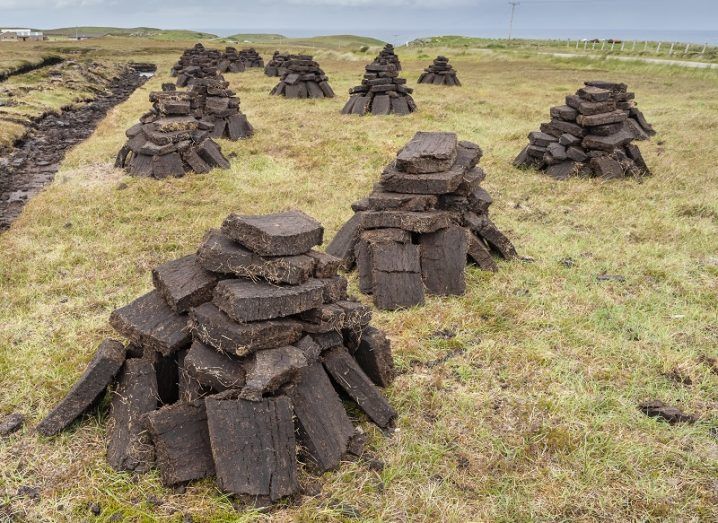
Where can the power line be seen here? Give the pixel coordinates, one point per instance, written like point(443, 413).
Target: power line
point(511, 22)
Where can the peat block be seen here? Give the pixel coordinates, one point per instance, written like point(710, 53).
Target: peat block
point(181, 439)
point(92, 384)
point(215, 328)
point(221, 254)
point(184, 283)
point(151, 323)
point(129, 446)
point(428, 153)
point(347, 373)
point(323, 427)
point(253, 445)
point(214, 369)
point(244, 300)
point(271, 369)
point(282, 234)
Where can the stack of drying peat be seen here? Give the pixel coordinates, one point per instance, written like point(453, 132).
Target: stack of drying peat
point(439, 73)
point(381, 92)
point(303, 78)
point(236, 361)
point(591, 135)
point(197, 62)
point(231, 62)
point(251, 57)
point(214, 102)
point(416, 230)
point(387, 54)
point(169, 140)
point(277, 65)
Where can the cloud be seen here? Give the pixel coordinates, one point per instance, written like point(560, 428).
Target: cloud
point(432, 4)
point(49, 4)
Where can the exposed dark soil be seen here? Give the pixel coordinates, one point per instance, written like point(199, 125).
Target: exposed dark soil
point(46, 62)
point(35, 158)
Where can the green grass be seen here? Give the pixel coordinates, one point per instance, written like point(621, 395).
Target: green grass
point(532, 417)
point(341, 42)
point(134, 32)
point(694, 52)
point(261, 38)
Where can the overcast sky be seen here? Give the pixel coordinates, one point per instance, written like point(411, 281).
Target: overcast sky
point(425, 17)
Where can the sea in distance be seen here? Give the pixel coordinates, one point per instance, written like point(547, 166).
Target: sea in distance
point(402, 37)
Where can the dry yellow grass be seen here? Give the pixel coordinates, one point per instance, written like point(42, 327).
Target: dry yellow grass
point(532, 417)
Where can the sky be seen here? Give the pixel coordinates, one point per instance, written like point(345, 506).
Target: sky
point(398, 18)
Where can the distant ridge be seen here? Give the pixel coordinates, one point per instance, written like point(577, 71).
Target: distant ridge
point(138, 32)
point(328, 40)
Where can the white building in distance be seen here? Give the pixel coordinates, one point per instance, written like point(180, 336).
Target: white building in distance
point(14, 34)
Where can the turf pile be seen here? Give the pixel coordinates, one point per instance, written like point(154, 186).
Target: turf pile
point(591, 135)
point(197, 62)
point(251, 57)
point(231, 62)
point(381, 92)
point(425, 217)
point(439, 73)
point(303, 78)
point(235, 360)
point(170, 141)
point(214, 102)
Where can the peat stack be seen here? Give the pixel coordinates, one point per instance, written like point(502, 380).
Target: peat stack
point(426, 217)
point(388, 55)
point(170, 141)
point(251, 57)
point(231, 62)
point(381, 92)
point(214, 102)
point(277, 65)
point(591, 135)
point(303, 78)
point(439, 73)
point(197, 62)
point(235, 364)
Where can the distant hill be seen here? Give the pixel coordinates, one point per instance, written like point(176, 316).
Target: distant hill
point(329, 41)
point(138, 32)
point(256, 38)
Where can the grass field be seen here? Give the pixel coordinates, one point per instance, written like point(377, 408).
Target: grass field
point(526, 411)
point(630, 48)
point(135, 32)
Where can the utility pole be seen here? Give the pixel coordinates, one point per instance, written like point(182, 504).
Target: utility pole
point(511, 22)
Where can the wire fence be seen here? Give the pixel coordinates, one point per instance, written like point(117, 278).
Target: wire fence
point(645, 48)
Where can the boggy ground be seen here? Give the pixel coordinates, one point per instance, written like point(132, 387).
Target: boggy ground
point(34, 159)
point(517, 401)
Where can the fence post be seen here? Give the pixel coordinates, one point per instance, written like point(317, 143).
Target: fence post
point(645, 45)
point(634, 46)
point(593, 46)
point(658, 48)
point(577, 41)
point(623, 44)
point(704, 49)
point(670, 52)
point(685, 51)
point(585, 45)
point(603, 44)
point(612, 44)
